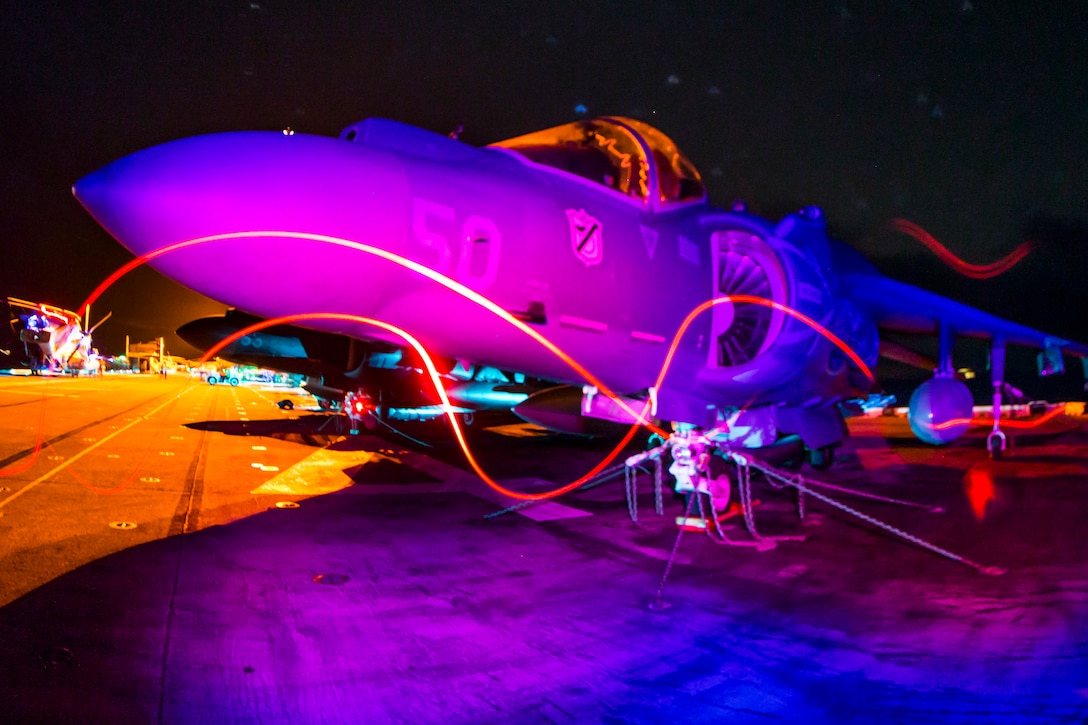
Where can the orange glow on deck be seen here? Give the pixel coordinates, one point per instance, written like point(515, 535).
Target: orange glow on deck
point(25, 465)
point(436, 380)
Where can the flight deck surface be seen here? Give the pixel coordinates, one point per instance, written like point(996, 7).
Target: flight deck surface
point(153, 569)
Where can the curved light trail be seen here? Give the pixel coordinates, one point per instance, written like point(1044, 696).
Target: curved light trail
point(974, 271)
point(436, 380)
point(1005, 422)
point(641, 418)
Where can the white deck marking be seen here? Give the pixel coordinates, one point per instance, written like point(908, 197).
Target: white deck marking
point(323, 471)
point(88, 449)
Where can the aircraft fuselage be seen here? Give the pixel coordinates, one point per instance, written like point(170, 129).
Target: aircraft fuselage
point(306, 224)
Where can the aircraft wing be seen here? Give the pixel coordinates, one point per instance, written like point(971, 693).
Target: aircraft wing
point(899, 307)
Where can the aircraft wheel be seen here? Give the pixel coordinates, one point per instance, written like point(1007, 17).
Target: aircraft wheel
point(468, 418)
point(822, 458)
point(286, 405)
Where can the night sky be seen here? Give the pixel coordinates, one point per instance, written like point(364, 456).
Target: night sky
point(968, 117)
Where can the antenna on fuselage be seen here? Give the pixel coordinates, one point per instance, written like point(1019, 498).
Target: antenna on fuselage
point(98, 324)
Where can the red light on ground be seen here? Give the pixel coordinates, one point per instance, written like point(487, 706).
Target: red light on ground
point(978, 484)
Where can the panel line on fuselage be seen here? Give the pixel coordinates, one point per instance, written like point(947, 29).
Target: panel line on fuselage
point(582, 323)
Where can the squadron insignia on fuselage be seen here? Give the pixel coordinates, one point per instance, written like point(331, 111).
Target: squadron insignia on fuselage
point(585, 237)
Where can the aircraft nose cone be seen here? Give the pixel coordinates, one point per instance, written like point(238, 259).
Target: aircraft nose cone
point(273, 206)
point(242, 182)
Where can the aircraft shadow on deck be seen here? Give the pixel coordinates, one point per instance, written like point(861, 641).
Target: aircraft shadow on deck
point(313, 430)
point(88, 645)
point(381, 604)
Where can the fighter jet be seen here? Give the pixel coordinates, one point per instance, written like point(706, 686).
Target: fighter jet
point(585, 254)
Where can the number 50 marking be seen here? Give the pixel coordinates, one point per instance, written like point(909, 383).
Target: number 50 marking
point(479, 249)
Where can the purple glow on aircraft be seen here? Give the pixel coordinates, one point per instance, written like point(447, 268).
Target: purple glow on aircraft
point(596, 233)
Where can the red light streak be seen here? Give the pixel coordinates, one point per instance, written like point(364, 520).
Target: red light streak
point(974, 271)
point(24, 465)
point(416, 267)
point(110, 490)
point(816, 326)
point(639, 417)
point(436, 380)
point(1005, 423)
point(95, 489)
point(502, 314)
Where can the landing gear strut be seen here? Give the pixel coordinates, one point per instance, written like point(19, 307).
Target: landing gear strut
point(996, 441)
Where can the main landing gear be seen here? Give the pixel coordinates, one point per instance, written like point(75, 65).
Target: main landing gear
point(996, 441)
point(706, 488)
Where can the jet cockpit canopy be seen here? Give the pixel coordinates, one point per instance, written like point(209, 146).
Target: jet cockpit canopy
point(622, 154)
